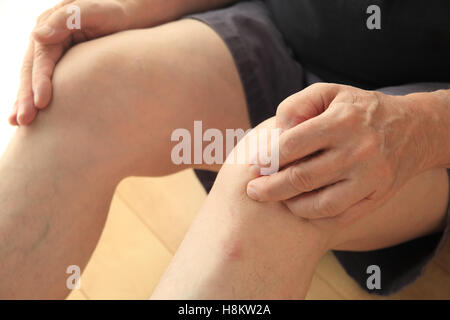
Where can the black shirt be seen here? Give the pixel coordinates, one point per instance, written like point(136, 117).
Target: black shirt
point(332, 39)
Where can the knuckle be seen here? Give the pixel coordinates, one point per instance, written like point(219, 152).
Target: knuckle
point(285, 108)
point(39, 53)
point(300, 179)
point(323, 87)
point(351, 116)
point(23, 96)
point(352, 96)
point(345, 115)
point(42, 17)
point(319, 86)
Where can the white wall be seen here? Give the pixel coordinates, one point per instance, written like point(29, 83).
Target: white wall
point(17, 19)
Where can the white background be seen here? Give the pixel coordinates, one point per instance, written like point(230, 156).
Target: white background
point(17, 19)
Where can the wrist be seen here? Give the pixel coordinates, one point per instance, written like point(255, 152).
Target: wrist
point(431, 110)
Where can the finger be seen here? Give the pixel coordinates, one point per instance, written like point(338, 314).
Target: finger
point(306, 104)
point(264, 150)
point(304, 176)
point(101, 19)
point(305, 139)
point(354, 213)
point(25, 109)
point(43, 17)
point(348, 217)
point(52, 24)
point(327, 202)
point(45, 59)
point(27, 112)
point(12, 119)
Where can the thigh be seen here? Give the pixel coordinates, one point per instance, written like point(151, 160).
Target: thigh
point(418, 209)
point(126, 93)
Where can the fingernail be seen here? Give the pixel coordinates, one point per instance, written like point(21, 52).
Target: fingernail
point(252, 192)
point(21, 119)
point(36, 97)
point(44, 31)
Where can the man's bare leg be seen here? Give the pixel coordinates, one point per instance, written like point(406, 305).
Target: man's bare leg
point(116, 102)
point(241, 249)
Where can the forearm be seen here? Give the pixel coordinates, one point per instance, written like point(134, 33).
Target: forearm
point(433, 111)
point(147, 13)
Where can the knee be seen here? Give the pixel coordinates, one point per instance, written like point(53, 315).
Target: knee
point(88, 94)
point(84, 76)
point(78, 123)
point(101, 87)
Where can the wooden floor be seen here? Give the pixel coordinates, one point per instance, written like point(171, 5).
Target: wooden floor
point(145, 227)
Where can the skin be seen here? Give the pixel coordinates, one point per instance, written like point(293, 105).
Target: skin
point(243, 249)
point(108, 120)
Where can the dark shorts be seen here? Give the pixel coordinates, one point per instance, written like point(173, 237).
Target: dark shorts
point(269, 74)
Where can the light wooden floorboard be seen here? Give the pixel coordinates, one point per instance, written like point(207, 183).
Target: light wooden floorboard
point(128, 261)
point(166, 205)
point(147, 223)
